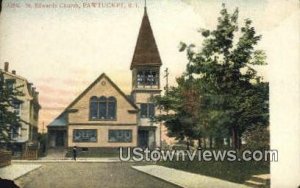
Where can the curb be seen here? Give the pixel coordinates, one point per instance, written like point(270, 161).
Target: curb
point(28, 172)
point(179, 186)
point(16, 178)
point(70, 161)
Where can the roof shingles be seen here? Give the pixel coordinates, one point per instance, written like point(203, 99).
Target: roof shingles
point(146, 51)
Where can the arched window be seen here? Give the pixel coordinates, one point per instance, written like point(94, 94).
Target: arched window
point(102, 108)
point(94, 108)
point(111, 111)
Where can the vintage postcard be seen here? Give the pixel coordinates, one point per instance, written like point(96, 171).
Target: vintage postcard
point(149, 93)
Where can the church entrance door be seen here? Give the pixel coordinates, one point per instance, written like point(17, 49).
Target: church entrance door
point(143, 138)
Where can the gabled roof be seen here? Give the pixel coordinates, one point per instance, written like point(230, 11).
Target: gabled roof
point(146, 52)
point(61, 119)
point(103, 75)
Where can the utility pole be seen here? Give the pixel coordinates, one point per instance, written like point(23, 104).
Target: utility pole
point(43, 129)
point(167, 80)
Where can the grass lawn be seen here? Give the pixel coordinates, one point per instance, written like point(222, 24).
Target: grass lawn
point(237, 172)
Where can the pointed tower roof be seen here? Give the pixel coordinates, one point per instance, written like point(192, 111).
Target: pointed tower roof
point(146, 51)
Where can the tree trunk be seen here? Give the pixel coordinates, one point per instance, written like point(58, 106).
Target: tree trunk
point(204, 142)
point(228, 142)
point(219, 142)
point(200, 142)
point(210, 142)
point(235, 138)
point(187, 144)
point(239, 142)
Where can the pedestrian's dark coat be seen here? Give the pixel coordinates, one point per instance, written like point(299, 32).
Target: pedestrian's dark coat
point(74, 152)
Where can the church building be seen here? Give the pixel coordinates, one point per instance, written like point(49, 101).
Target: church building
point(103, 116)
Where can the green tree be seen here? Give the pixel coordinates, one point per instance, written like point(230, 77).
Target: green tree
point(181, 115)
point(257, 138)
point(232, 95)
point(9, 121)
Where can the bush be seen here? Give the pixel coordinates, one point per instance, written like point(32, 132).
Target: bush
point(257, 138)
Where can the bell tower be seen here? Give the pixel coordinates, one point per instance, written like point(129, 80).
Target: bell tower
point(146, 62)
point(145, 67)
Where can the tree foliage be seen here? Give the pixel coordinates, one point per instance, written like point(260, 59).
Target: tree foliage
point(180, 107)
point(257, 138)
point(232, 96)
point(9, 121)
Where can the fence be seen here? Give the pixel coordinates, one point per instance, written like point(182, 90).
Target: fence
point(5, 158)
point(31, 153)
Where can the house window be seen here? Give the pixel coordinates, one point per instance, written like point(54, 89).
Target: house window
point(147, 110)
point(120, 135)
point(1, 117)
point(103, 108)
point(10, 84)
point(17, 105)
point(84, 135)
point(147, 77)
point(15, 132)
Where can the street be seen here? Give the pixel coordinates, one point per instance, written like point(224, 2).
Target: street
point(88, 175)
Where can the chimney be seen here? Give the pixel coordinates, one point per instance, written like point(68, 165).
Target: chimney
point(6, 66)
point(29, 87)
point(33, 90)
point(13, 72)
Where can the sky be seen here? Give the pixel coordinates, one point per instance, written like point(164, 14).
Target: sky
point(63, 50)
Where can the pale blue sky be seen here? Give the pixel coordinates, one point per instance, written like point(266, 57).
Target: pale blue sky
point(63, 50)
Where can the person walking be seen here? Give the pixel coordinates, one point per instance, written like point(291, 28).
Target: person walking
point(74, 153)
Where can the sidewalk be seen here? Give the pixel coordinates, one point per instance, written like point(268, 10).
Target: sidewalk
point(186, 179)
point(15, 171)
point(70, 160)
